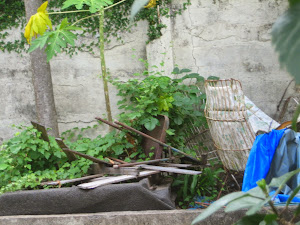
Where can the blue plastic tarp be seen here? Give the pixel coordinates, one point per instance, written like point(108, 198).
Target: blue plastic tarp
point(260, 158)
point(286, 159)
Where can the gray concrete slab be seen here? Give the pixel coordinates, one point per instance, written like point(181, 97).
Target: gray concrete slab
point(167, 217)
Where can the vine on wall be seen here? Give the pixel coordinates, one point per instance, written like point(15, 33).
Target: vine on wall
point(12, 15)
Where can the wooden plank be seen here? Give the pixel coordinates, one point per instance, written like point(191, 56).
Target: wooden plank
point(143, 162)
point(60, 182)
point(62, 145)
point(102, 169)
point(177, 165)
point(112, 180)
point(170, 169)
point(42, 129)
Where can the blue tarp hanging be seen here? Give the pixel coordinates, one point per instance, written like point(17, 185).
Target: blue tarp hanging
point(260, 158)
point(286, 159)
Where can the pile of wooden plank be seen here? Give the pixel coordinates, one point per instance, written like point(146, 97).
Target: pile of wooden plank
point(115, 170)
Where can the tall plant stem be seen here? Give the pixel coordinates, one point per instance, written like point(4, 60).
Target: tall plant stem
point(103, 66)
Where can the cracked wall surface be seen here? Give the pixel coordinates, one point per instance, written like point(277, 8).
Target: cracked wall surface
point(231, 39)
point(224, 38)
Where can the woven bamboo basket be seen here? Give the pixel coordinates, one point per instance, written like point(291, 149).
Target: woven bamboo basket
point(227, 119)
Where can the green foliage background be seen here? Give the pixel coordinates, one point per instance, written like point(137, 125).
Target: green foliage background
point(12, 15)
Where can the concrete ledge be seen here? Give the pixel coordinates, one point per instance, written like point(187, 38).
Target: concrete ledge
point(159, 217)
point(169, 217)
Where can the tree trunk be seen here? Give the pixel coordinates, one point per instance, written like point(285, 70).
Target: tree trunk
point(42, 81)
point(103, 66)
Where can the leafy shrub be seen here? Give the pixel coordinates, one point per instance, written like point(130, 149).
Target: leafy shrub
point(26, 160)
point(156, 94)
point(205, 185)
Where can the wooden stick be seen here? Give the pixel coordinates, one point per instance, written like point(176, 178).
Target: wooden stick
point(88, 157)
point(117, 160)
point(170, 169)
point(112, 180)
point(157, 141)
point(63, 146)
point(59, 182)
point(143, 162)
point(41, 129)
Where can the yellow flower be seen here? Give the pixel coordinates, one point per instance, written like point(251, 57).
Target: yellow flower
point(38, 23)
point(152, 3)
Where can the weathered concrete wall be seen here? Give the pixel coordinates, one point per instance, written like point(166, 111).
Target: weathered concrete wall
point(167, 217)
point(224, 38)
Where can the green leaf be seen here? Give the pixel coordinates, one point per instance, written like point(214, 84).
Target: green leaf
point(178, 120)
point(285, 37)
point(213, 78)
point(293, 2)
point(185, 186)
point(137, 5)
point(243, 202)
point(151, 123)
point(294, 193)
point(258, 206)
point(185, 71)
point(3, 166)
point(194, 75)
point(59, 39)
point(15, 149)
point(176, 70)
point(219, 204)
point(281, 181)
point(250, 220)
point(270, 219)
point(94, 5)
point(170, 132)
point(194, 184)
point(39, 42)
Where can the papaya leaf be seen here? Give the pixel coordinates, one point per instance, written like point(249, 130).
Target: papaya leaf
point(55, 40)
point(286, 39)
point(39, 42)
point(94, 5)
point(151, 4)
point(38, 23)
point(137, 5)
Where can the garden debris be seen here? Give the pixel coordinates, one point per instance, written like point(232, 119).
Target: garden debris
point(142, 162)
point(159, 133)
point(60, 182)
point(121, 170)
point(45, 137)
point(66, 149)
point(159, 142)
point(170, 169)
point(111, 180)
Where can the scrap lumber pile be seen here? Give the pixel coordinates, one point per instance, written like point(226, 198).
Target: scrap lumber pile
point(115, 170)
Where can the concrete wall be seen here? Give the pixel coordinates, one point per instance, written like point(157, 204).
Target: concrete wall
point(225, 38)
